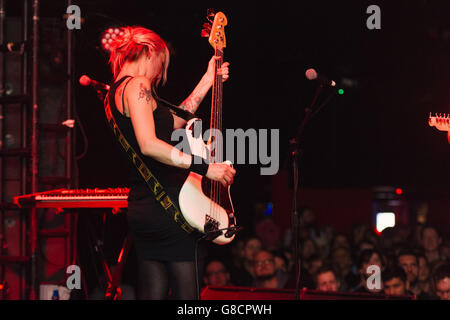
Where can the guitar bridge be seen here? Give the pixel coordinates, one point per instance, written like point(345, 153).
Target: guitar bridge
point(211, 228)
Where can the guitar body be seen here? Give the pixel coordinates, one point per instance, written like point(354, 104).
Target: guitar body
point(206, 206)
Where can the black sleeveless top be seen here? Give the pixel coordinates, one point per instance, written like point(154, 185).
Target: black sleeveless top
point(156, 235)
point(169, 176)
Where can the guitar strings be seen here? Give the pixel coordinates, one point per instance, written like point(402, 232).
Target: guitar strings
point(212, 143)
point(219, 116)
point(218, 126)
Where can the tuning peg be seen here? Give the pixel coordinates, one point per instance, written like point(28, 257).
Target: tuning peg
point(205, 33)
point(210, 12)
point(207, 29)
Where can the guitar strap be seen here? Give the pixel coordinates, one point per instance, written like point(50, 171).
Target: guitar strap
point(169, 206)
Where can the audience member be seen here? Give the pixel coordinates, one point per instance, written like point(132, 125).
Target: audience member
point(441, 282)
point(282, 260)
point(237, 252)
point(410, 264)
point(431, 240)
point(342, 264)
point(313, 264)
point(330, 233)
point(366, 259)
point(357, 234)
point(243, 275)
point(268, 232)
point(395, 282)
point(340, 240)
point(308, 248)
point(423, 279)
point(325, 279)
point(388, 240)
point(216, 274)
point(266, 274)
point(371, 236)
point(364, 245)
point(307, 218)
point(444, 251)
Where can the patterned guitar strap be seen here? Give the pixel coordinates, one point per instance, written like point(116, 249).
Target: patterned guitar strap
point(153, 184)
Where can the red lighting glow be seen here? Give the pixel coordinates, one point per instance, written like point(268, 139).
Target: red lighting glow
point(120, 256)
point(399, 191)
point(376, 231)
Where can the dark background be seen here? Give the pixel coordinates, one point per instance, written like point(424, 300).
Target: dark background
point(375, 134)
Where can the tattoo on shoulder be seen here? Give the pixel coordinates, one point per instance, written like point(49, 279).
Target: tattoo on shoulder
point(145, 93)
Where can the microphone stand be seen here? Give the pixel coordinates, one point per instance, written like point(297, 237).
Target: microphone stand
point(295, 154)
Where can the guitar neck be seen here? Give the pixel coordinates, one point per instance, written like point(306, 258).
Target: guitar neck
point(216, 34)
point(216, 107)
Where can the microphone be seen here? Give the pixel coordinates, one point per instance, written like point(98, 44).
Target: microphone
point(86, 81)
point(311, 74)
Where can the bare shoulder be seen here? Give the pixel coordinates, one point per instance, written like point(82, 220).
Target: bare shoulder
point(139, 88)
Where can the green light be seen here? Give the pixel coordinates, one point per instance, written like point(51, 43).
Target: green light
point(341, 91)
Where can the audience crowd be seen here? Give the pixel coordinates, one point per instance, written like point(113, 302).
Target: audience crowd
point(403, 261)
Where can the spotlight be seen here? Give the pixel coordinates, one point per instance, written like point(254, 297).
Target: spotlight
point(108, 37)
point(385, 220)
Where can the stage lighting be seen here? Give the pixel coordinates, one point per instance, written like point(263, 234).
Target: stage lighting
point(385, 220)
point(108, 37)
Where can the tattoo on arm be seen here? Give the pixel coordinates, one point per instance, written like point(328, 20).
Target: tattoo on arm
point(191, 103)
point(145, 93)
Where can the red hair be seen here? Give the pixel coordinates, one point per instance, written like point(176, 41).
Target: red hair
point(132, 43)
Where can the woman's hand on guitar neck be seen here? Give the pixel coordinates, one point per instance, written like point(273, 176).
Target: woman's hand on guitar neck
point(223, 71)
point(221, 172)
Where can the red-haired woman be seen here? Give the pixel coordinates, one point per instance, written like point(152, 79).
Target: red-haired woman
point(139, 59)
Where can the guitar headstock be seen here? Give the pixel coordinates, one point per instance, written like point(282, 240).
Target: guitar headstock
point(215, 29)
point(441, 122)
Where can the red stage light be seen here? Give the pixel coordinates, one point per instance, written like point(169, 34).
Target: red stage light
point(108, 37)
point(376, 231)
point(399, 191)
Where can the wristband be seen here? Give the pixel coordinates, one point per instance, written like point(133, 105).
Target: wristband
point(199, 165)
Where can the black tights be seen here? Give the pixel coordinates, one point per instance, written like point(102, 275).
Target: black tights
point(156, 277)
